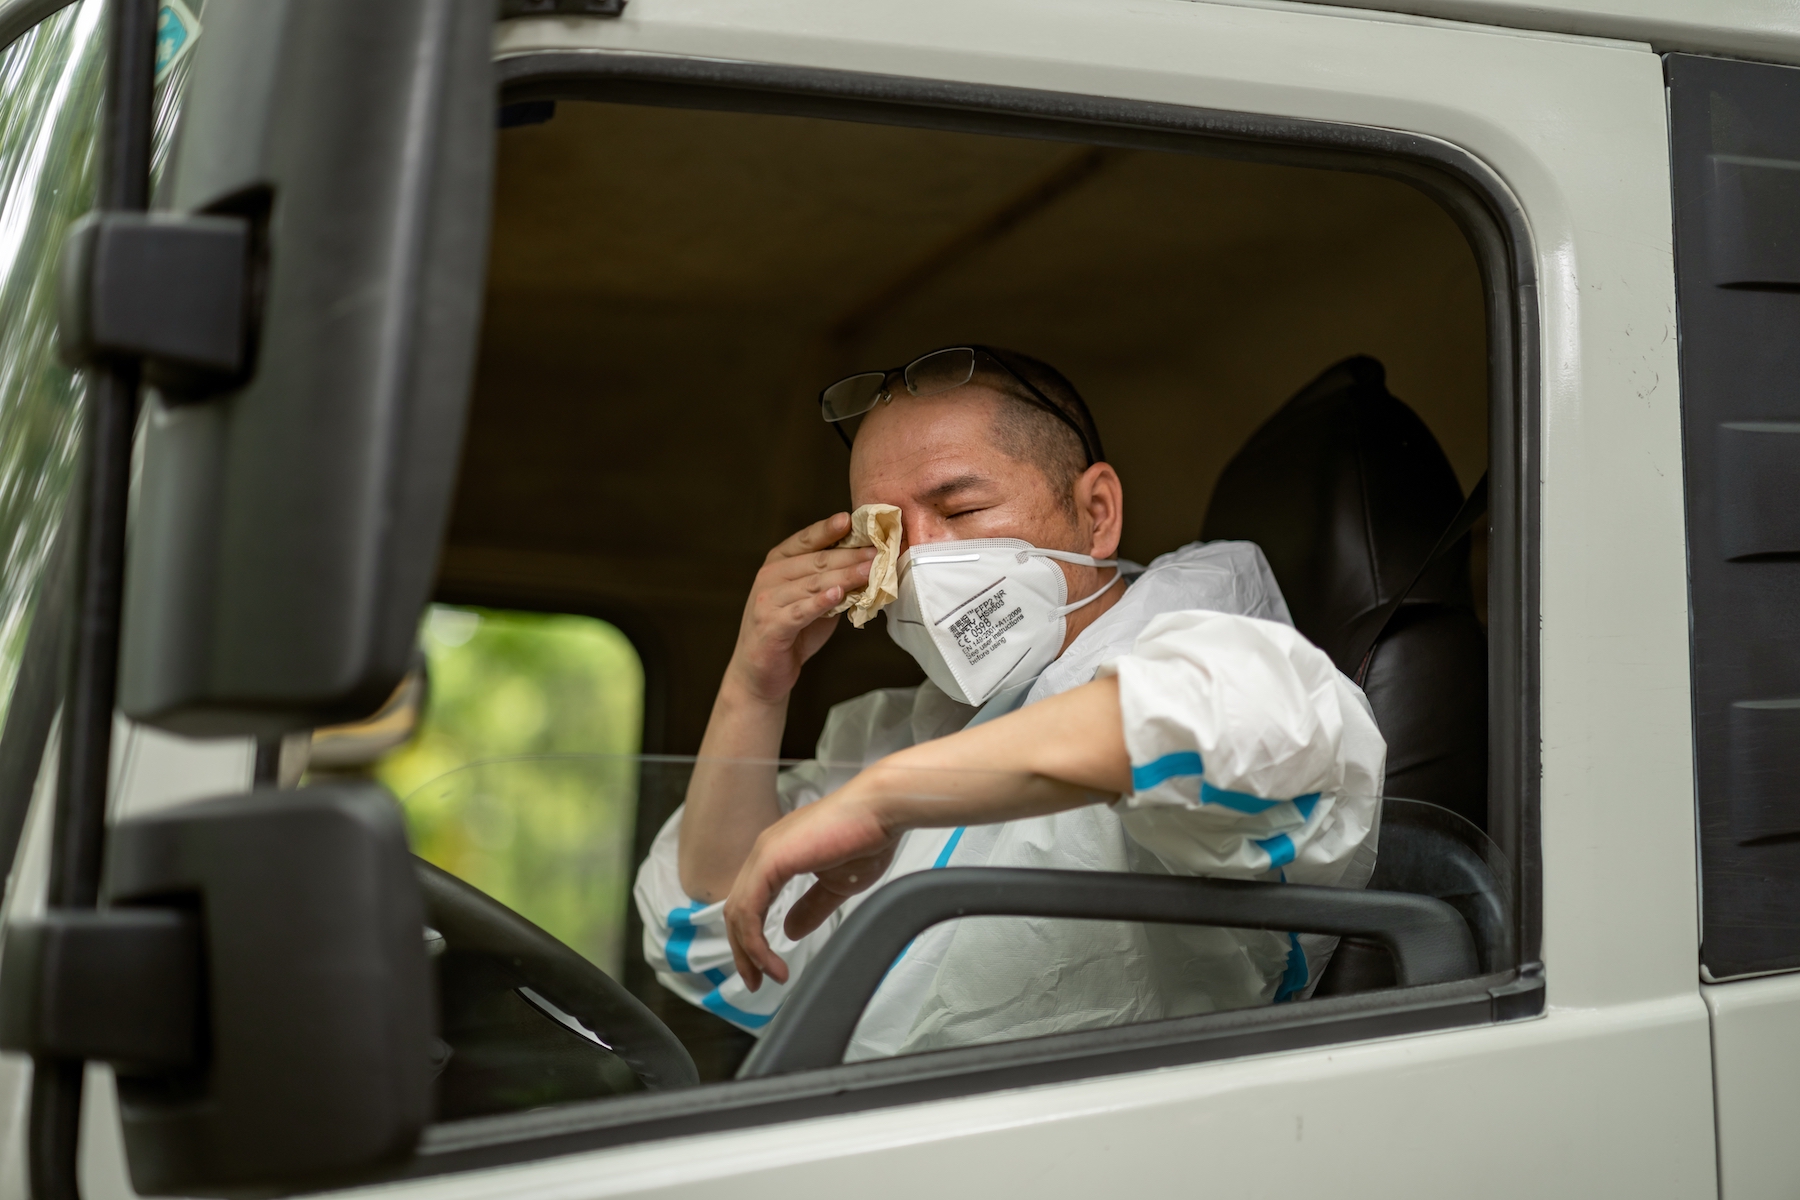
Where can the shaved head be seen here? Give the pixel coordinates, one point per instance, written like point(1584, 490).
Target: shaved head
point(1026, 433)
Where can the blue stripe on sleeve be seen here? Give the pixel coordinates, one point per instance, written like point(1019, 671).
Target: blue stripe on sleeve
point(719, 1006)
point(714, 976)
point(1169, 766)
point(943, 860)
point(681, 936)
point(1184, 763)
point(1279, 848)
point(1293, 980)
point(1242, 802)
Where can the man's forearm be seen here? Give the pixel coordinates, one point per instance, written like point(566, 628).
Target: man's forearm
point(731, 796)
point(1063, 752)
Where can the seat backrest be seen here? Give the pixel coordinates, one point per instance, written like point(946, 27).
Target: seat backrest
point(1347, 492)
point(1428, 851)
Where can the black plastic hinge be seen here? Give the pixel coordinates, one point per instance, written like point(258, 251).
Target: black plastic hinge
point(561, 8)
point(118, 985)
point(171, 290)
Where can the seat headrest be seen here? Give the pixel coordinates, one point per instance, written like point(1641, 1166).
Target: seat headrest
point(1346, 491)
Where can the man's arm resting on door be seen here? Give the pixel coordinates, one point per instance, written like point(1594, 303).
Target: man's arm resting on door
point(1062, 753)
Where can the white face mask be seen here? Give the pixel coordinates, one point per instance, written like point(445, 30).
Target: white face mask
point(985, 614)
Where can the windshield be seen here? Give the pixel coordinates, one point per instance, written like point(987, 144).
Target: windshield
point(49, 105)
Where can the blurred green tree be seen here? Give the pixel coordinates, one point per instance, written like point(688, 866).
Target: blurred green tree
point(522, 778)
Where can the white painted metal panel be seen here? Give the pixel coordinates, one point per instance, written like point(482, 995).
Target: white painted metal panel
point(1756, 1079)
point(150, 770)
point(1585, 1104)
point(1765, 30)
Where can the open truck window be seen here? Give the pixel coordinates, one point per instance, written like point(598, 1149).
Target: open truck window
point(670, 284)
point(512, 749)
point(670, 288)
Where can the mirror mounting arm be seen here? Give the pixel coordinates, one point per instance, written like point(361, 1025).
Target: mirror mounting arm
point(119, 986)
point(169, 290)
point(97, 519)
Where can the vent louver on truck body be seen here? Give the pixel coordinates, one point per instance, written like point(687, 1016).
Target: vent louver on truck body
point(1735, 130)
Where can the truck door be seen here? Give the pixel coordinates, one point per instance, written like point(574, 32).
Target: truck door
point(291, 504)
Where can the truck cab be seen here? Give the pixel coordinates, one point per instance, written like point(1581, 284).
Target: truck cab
point(379, 489)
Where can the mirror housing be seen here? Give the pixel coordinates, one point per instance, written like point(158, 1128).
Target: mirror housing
point(287, 528)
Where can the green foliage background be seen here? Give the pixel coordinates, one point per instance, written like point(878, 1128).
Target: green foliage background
point(522, 779)
point(49, 114)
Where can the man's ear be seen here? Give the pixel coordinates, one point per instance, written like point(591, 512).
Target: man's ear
point(1100, 505)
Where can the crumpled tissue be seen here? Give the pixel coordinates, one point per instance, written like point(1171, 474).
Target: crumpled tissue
point(876, 525)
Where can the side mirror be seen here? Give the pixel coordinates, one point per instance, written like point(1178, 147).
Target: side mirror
point(1429, 940)
point(286, 531)
point(259, 980)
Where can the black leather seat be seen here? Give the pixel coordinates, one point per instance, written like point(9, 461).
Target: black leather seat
point(1347, 492)
point(1428, 851)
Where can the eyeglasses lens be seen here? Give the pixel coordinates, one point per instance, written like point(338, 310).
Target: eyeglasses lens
point(940, 371)
point(851, 397)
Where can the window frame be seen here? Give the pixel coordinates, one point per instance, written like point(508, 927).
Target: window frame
point(1499, 235)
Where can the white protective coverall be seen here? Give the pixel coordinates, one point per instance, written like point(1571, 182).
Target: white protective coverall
point(1252, 757)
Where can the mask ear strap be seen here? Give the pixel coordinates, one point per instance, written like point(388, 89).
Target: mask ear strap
point(1069, 556)
point(1080, 560)
point(1118, 574)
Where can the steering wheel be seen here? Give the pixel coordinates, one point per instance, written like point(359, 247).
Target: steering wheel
point(518, 963)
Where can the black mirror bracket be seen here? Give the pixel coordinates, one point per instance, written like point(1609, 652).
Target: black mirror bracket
point(1429, 940)
point(96, 520)
point(173, 291)
point(561, 8)
point(230, 926)
point(119, 986)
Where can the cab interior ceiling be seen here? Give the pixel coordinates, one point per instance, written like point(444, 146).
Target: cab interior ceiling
point(669, 288)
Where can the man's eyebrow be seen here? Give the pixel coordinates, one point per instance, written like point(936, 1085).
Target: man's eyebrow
point(951, 486)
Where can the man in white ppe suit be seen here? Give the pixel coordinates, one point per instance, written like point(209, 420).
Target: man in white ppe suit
point(1171, 723)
